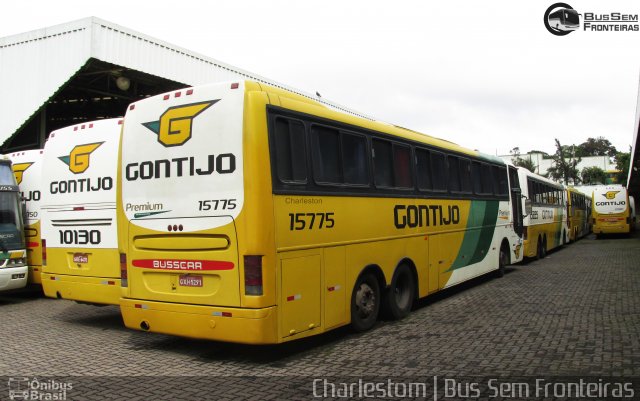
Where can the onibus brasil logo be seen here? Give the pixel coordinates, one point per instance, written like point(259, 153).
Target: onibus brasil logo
point(175, 124)
point(19, 169)
point(79, 158)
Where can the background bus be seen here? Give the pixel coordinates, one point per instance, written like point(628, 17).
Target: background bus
point(544, 225)
point(27, 168)
point(250, 214)
point(13, 253)
point(578, 214)
point(79, 233)
point(565, 19)
point(610, 213)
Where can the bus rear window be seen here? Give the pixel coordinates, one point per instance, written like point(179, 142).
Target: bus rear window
point(291, 151)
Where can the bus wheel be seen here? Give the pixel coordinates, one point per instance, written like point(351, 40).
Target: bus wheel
point(539, 254)
point(399, 297)
point(365, 302)
point(543, 248)
point(503, 260)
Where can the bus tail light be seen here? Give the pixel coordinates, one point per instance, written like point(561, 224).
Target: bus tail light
point(44, 252)
point(253, 275)
point(123, 270)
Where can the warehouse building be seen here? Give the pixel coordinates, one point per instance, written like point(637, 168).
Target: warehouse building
point(92, 69)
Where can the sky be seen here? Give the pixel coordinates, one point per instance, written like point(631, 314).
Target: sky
point(486, 75)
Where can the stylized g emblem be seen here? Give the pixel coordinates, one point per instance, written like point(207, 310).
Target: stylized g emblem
point(18, 170)
point(610, 194)
point(78, 159)
point(175, 124)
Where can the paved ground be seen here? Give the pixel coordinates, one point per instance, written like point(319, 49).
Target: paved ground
point(574, 314)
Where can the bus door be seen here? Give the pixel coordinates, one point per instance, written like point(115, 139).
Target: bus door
point(516, 201)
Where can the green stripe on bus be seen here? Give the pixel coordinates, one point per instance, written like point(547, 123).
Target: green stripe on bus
point(480, 228)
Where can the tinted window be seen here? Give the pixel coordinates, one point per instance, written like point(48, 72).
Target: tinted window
point(402, 166)
point(439, 171)
point(382, 163)
point(354, 159)
point(476, 174)
point(500, 180)
point(487, 179)
point(465, 175)
point(327, 153)
point(291, 151)
point(454, 174)
point(423, 167)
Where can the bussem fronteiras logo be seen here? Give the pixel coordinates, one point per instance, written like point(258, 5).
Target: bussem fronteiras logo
point(561, 19)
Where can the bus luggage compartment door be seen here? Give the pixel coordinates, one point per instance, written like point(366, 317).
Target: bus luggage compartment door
point(300, 297)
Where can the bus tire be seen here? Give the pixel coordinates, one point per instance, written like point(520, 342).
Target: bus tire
point(400, 295)
point(365, 302)
point(539, 249)
point(544, 247)
point(503, 260)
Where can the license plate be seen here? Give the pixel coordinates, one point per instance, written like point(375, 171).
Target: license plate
point(80, 258)
point(190, 281)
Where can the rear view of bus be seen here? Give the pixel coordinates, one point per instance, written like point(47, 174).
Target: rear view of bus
point(611, 210)
point(187, 266)
point(79, 232)
point(27, 167)
point(13, 255)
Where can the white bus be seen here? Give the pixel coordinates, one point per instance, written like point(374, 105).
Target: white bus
point(13, 255)
point(79, 233)
point(27, 167)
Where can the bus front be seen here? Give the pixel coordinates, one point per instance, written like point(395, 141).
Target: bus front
point(187, 267)
point(610, 210)
point(13, 253)
point(27, 168)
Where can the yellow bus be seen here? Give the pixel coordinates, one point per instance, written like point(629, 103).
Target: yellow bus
point(545, 227)
point(27, 168)
point(611, 212)
point(578, 214)
point(79, 234)
point(251, 214)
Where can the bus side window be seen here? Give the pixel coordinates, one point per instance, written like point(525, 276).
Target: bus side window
point(500, 180)
point(382, 163)
point(326, 162)
point(291, 151)
point(439, 169)
point(454, 173)
point(487, 180)
point(402, 166)
point(423, 168)
point(476, 172)
point(354, 159)
point(465, 176)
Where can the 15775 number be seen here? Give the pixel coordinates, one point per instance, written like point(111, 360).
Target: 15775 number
point(217, 204)
point(309, 221)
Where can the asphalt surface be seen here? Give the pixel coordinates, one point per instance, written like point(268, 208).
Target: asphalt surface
point(573, 315)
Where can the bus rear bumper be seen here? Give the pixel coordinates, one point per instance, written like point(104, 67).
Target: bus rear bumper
point(95, 290)
point(612, 229)
point(238, 325)
point(12, 278)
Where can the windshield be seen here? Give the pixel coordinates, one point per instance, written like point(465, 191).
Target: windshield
point(571, 17)
point(10, 222)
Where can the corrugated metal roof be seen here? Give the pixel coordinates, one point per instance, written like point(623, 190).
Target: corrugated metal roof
point(34, 65)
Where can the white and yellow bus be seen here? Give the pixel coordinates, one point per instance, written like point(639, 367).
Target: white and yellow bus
point(578, 214)
point(13, 253)
point(611, 212)
point(250, 214)
point(79, 233)
point(545, 226)
point(27, 168)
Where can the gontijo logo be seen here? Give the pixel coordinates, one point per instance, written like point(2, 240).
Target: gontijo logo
point(19, 169)
point(175, 124)
point(610, 194)
point(78, 160)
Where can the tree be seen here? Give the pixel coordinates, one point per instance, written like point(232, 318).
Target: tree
point(599, 146)
point(522, 162)
point(622, 165)
point(565, 163)
point(593, 176)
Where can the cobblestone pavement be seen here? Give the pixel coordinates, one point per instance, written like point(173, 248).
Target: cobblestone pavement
point(575, 313)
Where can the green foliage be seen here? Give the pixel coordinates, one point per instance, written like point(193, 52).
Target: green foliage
point(522, 162)
point(593, 176)
point(599, 146)
point(622, 164)
point(564, 168)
